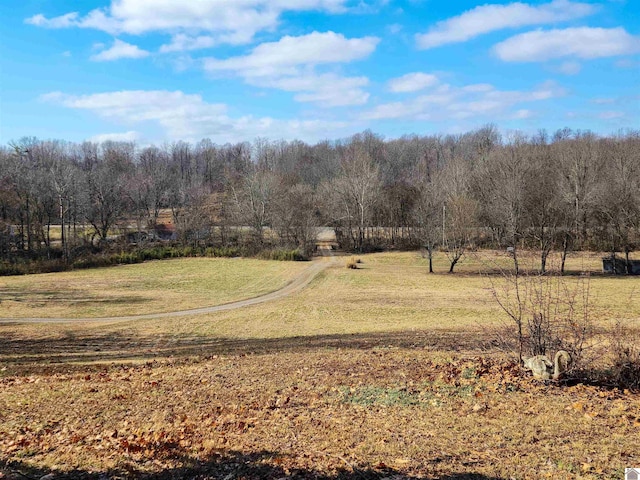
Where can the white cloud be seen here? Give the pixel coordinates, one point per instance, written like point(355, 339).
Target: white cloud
point(412, 82)
point(368, 8)
point(188, 117)
point(181, 42)
point(327, 89)
point(394, 28)
point(448, 102)
point(570, 68)
point(522, 114)
point(611, 115)
point(119, 50)
point(603, 101)
point(290, 65)
point(63, 21)
point(133, 106)
point(580, 42)
point(280, 57)
point(232, 20)
point(130, 136)
point(489, 18)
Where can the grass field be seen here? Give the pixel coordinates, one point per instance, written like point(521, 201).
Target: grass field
point(151, 287)
point(381, 372)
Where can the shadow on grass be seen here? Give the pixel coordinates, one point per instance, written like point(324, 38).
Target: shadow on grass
point(66, 298)
point(229, 465)
point(113, 346)
point(30, 355)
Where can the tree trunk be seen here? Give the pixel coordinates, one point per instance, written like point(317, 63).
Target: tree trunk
point(453, 263)
point(565, 251)
point(543, 260)
point(627, 262)
point(62, 233)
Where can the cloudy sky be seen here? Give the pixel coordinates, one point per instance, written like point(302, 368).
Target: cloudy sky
point(234, 70)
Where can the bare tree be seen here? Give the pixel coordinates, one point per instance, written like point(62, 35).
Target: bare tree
point(545, 313)
point(63, 176)
point(617, 206)
point(428, 218)
point(253, 197)
point(106, 185)
point(459, 210)
point(581, 166)
point(296, 216)
point(544, 215)
point(357, 188)
point(501, 177)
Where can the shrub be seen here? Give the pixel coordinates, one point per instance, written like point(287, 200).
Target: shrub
point(545, 314)
point(352, 262)
point(625, 353)
point(7, 269)
point(226, 252)
point(283, 255)
point(625, 372)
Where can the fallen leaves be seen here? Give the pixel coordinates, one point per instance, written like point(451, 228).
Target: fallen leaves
point(400, 411)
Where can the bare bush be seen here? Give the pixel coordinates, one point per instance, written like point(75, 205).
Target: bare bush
point(625, 352)
point(546, 313)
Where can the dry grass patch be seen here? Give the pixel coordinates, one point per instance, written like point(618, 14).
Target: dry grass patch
point(151, 287)
point(388, 294)
point(317, 413)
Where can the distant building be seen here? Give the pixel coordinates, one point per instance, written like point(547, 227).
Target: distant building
point(619, 266)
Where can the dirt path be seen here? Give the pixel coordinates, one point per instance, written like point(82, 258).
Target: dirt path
point(297, 284)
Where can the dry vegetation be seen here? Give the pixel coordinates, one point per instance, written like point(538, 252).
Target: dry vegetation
point(380, 372)
point(151, 287)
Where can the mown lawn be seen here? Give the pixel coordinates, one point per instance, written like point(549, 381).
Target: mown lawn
point(150, 287)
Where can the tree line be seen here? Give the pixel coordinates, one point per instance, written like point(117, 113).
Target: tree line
point(552, 192)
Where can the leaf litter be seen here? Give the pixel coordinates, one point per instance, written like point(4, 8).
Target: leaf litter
point(375, 413)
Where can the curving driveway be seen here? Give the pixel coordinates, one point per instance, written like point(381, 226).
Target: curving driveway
point(297, 284)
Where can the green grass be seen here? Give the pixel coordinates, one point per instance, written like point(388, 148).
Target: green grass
point(372, 395)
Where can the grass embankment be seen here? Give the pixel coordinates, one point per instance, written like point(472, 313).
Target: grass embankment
point(369, 373)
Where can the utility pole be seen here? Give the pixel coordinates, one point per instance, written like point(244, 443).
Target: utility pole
point(444, 214)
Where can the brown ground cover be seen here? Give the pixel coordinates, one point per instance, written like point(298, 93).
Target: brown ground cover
point(381, 372)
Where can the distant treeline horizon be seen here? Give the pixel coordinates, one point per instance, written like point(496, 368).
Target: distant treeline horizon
point(548, 191)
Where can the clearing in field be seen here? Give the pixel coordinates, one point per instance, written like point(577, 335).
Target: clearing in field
point(380, 372)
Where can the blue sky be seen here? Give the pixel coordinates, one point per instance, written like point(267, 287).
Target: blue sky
point(235, 70)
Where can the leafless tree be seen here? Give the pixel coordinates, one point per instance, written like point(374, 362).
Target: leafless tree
point(296, 216)
point(580, 159)
point(544, 216)
point(106, 186)
point(252, 198)
point(357, 188)
point(501, 177)
point(460, 210)
point(618, 200)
